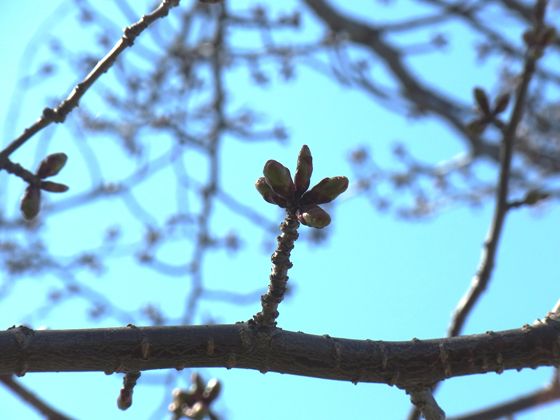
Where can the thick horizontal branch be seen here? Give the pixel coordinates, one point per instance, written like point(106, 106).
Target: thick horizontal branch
point(405, 364)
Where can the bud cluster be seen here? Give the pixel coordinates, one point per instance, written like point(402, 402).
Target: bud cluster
point(278, 187)
point(31, 199)
point(195, 402)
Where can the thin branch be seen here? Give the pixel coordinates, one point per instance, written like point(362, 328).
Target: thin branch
point(29, 397)
point(424, 401)
point(515, 405)
point(279, 274)
point(482, 277)
point(59, 113)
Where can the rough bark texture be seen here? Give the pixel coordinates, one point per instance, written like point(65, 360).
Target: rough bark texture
point(404, 364)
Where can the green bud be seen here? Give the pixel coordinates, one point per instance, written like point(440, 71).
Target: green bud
point(52, 165)
point(264, 189)
point(30, 202)
point(325, 191)
point(314, 216)
point(304, 170)
point(53, 187)
point(279, 179)
point(212, 390)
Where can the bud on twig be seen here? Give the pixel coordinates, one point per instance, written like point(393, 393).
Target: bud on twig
point(304, 170)
point(51, 165)
point(279, 179)
point(30, 202)
point(53, 187)
point(314, 216)
point(482, 100)
point(325, 191)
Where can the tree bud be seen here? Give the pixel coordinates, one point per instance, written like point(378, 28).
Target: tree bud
point(212, 390)
point(30, 202)
point(314, 216)
point(53, 187)
point(264, 189)
point(278, 177)
point(52, 165)
point(482, 100)
point(304, 170)
point(325, 191)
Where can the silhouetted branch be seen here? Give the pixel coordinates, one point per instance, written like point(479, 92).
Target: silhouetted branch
point(30, 398)
point(59, 113)
point(515, 405)
point(408, 365)
point(484, 272)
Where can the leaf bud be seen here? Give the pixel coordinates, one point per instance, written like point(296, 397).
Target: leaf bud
point(314, 216)
point(53, 187)
point(51, 165)
point(304, 170)
point(278, 177)
point(30, 202)
point(325, 191)
point(212, 390)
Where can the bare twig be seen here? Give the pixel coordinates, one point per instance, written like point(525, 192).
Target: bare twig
point(29, 397)
point(424, 401)
point(486, 266)
point(59, 113)
point(279, 274)
point(515, 405)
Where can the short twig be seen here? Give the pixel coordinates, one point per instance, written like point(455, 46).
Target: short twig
point(45, 409)
point(279, 274)
point(424, 401)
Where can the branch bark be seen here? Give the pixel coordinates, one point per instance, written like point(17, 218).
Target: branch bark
point(408, 365)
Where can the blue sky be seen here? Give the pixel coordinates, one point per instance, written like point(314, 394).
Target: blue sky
point(376, 277)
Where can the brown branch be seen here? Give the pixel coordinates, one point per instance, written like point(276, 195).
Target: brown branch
point(514, 406)
point(425, 98)
point(424, 402)
point(59, 113)
point(29, 397)
point(482, 277)
point(279, 274)
point(409, 365)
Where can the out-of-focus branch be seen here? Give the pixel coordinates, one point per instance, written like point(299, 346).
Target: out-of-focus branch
point(482, 277)
point(59, 113)
point(515, 405)
point(30, 398)
point(423, 97)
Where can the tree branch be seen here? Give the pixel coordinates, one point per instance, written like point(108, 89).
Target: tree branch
point(409, 365)
point(59, 113)
point(516, 405)
point(32, 399)
point(484, 272)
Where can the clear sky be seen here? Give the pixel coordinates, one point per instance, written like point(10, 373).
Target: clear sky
point(376, 277)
